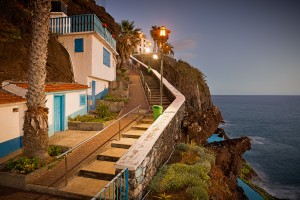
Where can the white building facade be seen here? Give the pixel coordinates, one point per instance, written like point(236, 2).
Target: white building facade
point(64, 100)
point(92, 51)
point(145, 45)
point(12, 110)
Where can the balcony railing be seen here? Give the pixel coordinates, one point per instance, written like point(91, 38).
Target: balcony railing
point(81, 23)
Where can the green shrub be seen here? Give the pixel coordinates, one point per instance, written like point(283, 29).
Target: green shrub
point(103, 112)
point(54, 150)
point(24, 165)
point(86, 118)
point(112, 98)
point(179, 176)
point(195, 193)
point(182, 147)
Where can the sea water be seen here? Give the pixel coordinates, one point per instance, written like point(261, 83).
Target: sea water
point(272, 123)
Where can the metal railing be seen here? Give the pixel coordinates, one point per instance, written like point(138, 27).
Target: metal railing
point(116, 189)
point(65, 154)
point(146, 87)
point(81, 23)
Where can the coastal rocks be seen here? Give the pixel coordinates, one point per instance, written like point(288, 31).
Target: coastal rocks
point(199, 126)
point(227, 167)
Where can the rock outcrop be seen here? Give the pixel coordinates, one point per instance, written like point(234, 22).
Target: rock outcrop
point(227, 168)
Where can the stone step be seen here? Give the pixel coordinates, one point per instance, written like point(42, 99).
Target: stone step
point(125, 143)
point(146, 120)
point(99, 169)
point(133, 134)
point(141, 126)
point(112, 154)
point(86, 187)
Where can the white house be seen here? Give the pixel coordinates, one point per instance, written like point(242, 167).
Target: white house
point(63, 100)
point(12, 109)
point(144, 46)
point(92, 50)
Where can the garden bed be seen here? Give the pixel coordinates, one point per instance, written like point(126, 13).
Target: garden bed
point(87, 126)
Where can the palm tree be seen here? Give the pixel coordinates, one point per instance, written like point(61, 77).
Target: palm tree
point(35, 140)
point(128, 39)
point(154, 36)
point(169, 49)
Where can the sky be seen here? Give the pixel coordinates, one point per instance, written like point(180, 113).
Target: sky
point(244, 47)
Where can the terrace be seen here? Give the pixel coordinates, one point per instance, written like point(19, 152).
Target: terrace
point(82, 23)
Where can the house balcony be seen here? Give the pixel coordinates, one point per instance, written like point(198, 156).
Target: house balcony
point(81, 23)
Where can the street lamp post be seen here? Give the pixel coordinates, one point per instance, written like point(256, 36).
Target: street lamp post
point(163, 34)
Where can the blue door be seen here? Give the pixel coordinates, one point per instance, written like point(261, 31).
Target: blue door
point(93, 95)
point(58, 113)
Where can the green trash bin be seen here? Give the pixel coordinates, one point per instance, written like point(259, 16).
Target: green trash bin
point(157, 111)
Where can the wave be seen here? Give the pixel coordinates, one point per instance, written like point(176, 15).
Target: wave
point(280, 191)
point(259, 140)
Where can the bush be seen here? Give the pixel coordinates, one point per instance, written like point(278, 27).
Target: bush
point(86, 118)
point(112, 98)
point(24, 165)
point(103, 112)
point(196, 193)
point(175, 177)
point(54, 150)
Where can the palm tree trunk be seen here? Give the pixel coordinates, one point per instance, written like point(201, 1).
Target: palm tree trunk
point(35, 141)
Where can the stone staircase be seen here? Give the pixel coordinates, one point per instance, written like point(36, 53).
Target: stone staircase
point(97, 174)
point(155, 92)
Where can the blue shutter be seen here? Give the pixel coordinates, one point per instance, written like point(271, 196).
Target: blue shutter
point(78, 45)
point(106, 57)
point(82, 100)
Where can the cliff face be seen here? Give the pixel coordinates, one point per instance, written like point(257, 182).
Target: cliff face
point(227, 168)
point(77, 7)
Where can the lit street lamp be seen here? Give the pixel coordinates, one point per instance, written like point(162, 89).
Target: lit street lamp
point(163, 35)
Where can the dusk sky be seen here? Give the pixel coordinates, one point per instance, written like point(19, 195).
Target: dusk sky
point(242, 46)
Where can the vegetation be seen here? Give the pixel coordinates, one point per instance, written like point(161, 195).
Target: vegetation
point(54, 150)
point(189, 176)
point(112, 98)
point(128, 39)
point(102, 115)
point(24, 165)
point(246, 176)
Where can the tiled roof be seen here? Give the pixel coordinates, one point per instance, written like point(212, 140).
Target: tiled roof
point(6, 97)
point(57, 87)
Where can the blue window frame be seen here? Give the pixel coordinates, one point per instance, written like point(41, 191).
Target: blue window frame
point(78, 45)
point(106, 57)
point(82, 100)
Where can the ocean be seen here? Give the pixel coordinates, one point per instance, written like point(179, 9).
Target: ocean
point(273, 124)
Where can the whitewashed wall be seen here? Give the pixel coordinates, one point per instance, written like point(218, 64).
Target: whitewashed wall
point(72, 107)
point(100, 70)
point(81, 61)
point(11, 124)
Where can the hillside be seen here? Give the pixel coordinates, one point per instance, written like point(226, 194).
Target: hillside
point(15, 40)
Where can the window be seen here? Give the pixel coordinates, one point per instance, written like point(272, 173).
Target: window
point(78, 45)
point(106, 57)
point(82, 100)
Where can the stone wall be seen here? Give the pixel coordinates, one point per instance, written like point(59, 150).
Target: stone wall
point(154, 147)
